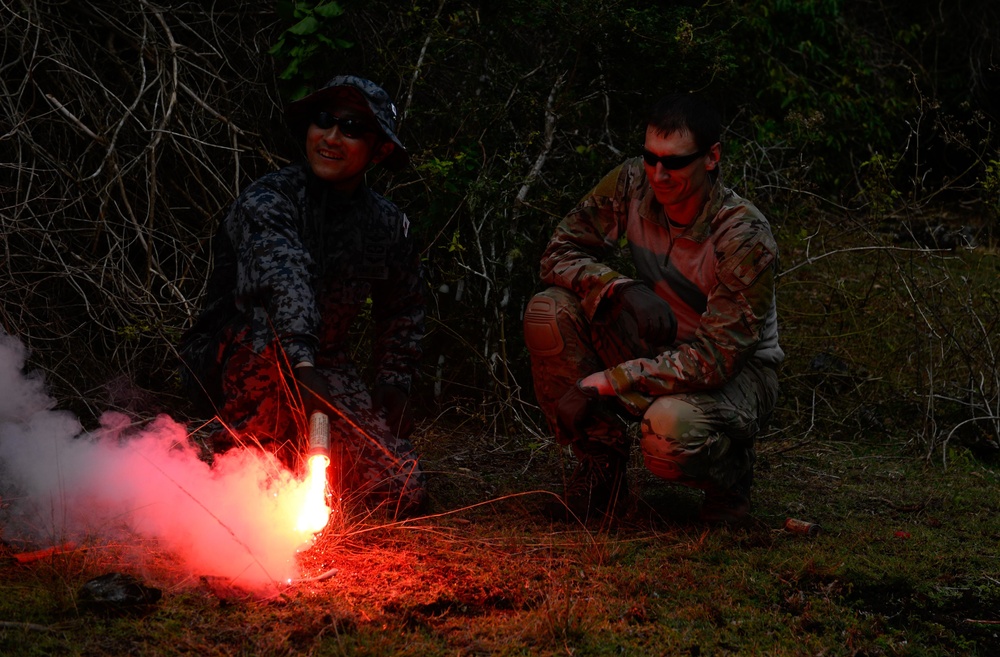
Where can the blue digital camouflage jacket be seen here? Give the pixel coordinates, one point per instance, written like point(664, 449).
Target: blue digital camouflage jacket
point(298, 262)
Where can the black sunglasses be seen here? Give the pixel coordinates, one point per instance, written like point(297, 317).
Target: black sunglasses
point(350, 128)
point(671, 162)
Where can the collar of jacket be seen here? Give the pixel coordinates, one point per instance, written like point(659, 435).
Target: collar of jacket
point(321, 191)
point(700, 229)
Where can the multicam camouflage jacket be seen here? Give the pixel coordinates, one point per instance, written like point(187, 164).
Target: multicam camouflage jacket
point(299, 263)
point(717, 274)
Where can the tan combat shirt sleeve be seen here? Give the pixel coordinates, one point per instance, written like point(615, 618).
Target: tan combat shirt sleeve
point(576, 254)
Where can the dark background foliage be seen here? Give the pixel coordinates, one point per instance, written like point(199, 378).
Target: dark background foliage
point(128, 129)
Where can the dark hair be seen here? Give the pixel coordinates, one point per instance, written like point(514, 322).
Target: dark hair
point(686, 112)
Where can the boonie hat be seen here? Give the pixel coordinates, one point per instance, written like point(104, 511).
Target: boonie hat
point(299, 114)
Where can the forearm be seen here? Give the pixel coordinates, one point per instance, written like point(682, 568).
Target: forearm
point(728, 336)
point(273, 275)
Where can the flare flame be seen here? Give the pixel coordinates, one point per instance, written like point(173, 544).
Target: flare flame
point(315, 513)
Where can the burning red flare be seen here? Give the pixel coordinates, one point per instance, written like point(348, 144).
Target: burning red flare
point(315, 513)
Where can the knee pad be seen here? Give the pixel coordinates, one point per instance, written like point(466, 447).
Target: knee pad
point(663, 468)
point(664, 450)
point(541, 328)
point(665, 458)
point(675, 418)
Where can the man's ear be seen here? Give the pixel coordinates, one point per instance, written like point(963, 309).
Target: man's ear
point(382, 150)
point(714, 155)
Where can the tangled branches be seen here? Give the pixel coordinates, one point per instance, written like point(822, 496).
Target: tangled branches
point(124, 127)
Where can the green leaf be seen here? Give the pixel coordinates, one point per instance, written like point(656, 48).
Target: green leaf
point(328, 10)
point(307, 25)
point(290, 70)
point(277, 48)
point(300, 92)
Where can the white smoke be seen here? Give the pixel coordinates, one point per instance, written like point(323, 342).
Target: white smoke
point(235, 519)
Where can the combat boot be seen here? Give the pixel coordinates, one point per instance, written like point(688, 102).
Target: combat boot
point(727, 505)
point(598, 487)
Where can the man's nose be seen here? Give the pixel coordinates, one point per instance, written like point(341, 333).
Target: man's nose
point(662, 173)
point(333, 134)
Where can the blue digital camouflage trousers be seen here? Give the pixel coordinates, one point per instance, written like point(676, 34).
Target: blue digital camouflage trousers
point(370, 465)
point(703, 439)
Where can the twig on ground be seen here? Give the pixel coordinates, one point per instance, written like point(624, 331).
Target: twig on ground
point(17, 625)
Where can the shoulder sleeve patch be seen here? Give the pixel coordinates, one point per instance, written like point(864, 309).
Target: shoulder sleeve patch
point(747, 263)
point(608, 185)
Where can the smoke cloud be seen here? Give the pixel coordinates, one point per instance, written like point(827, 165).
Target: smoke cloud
point(235, 519)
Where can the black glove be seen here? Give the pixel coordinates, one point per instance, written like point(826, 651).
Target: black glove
point(394, 404)
point(574, 411)
point(654, 316)
point(313, 389)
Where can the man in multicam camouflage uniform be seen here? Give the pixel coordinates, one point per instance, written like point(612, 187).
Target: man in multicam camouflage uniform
point(300, 254)
point(689, 345)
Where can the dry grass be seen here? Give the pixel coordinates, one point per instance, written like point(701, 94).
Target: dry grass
point(905, 565)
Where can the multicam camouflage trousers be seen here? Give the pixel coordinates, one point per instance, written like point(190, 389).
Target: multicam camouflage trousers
point(701, 439)
point(369, 464)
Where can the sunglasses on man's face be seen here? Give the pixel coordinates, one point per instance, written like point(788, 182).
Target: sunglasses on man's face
point(671, 162)
point(350, 128)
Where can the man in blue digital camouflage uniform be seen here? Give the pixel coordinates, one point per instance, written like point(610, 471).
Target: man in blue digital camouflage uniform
point(301, 254)
point(688, 344)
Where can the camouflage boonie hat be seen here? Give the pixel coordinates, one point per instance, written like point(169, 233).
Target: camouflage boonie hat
point(299, 114)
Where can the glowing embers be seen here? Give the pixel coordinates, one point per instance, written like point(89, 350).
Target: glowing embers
point(315, 513)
